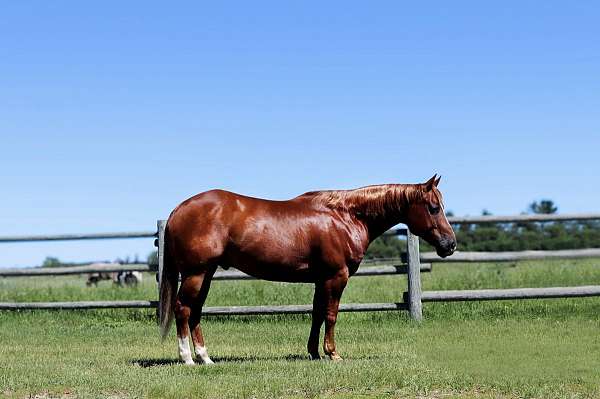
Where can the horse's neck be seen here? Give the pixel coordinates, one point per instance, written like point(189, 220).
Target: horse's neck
point(378, 226)
point(384, 207)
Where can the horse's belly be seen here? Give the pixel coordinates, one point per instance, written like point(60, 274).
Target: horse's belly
point(297, 273)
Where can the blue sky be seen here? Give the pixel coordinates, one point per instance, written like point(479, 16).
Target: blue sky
point(111, 113)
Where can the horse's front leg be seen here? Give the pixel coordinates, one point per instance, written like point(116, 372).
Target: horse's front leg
point(318, 316)
point(333, 289)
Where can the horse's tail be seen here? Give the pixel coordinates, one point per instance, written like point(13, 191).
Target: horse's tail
point(168, 289)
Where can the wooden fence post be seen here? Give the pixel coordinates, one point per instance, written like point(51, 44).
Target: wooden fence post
point(414, 276)
point(160, 243)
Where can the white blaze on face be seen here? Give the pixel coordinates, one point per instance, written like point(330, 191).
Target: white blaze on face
point(202, 354)
point(184, 350)
point(440, 199)
point(444, 211)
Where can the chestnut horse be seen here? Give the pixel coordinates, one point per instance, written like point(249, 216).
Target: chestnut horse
point(319, 237)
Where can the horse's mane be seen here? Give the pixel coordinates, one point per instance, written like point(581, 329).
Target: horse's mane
point(369, 200)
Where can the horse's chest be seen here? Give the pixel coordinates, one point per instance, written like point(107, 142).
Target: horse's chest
point(345, 246)
point(353, 258)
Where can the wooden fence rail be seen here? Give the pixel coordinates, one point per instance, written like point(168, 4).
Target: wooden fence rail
point(510, 293)
point(78, 305)
point(512, 256)
point(83, 269)
point(381, 270)
point(206, 311)
point(77, 237)
point(565, 217)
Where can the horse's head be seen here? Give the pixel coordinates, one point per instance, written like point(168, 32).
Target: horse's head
point(426, 218)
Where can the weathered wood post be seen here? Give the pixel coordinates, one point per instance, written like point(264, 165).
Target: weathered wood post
point(414, 276)
point(160, 243)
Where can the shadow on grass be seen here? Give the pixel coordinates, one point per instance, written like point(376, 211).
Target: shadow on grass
point(218, 359)
point(154, 362)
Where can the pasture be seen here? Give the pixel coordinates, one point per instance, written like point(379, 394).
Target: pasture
point(537, 348)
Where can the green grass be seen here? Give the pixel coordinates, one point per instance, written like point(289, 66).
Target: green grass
point(537, 348)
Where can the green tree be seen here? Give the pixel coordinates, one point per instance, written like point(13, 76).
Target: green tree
point(51, 261)
point(386, 247)
point(153, 258)
point(544, 207)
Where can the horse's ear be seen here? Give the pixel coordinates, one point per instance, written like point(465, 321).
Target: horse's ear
point(437, 182)
point(429, 184)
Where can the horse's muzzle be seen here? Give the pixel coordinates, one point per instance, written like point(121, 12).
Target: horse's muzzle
point(446, 247)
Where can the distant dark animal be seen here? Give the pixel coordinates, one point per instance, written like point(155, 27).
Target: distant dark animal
point(94, 278)
point(123, 278)
point(127, 278)
point(319, 237)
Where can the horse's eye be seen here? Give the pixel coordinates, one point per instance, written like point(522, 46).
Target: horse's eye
point(434, 210)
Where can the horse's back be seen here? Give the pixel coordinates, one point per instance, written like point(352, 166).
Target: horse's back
point(223, 207)
point(215, 216)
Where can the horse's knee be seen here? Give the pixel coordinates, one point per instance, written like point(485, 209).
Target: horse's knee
point(182, 312)
point(330, 318)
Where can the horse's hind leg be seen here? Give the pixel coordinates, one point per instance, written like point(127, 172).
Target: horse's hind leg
point(194, 320)
point(186, 298)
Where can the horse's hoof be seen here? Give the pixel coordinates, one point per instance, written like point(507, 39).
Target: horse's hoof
point(314, 356)
point(335, 357)
point(206, 361)
point(189, 363)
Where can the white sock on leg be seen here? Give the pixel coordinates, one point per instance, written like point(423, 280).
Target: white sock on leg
point(184, 350)
point(202, 354)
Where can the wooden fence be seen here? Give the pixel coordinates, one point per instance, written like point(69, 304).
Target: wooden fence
point(412, 265)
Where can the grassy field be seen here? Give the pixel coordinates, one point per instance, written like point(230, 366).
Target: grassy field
point(537, 348)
